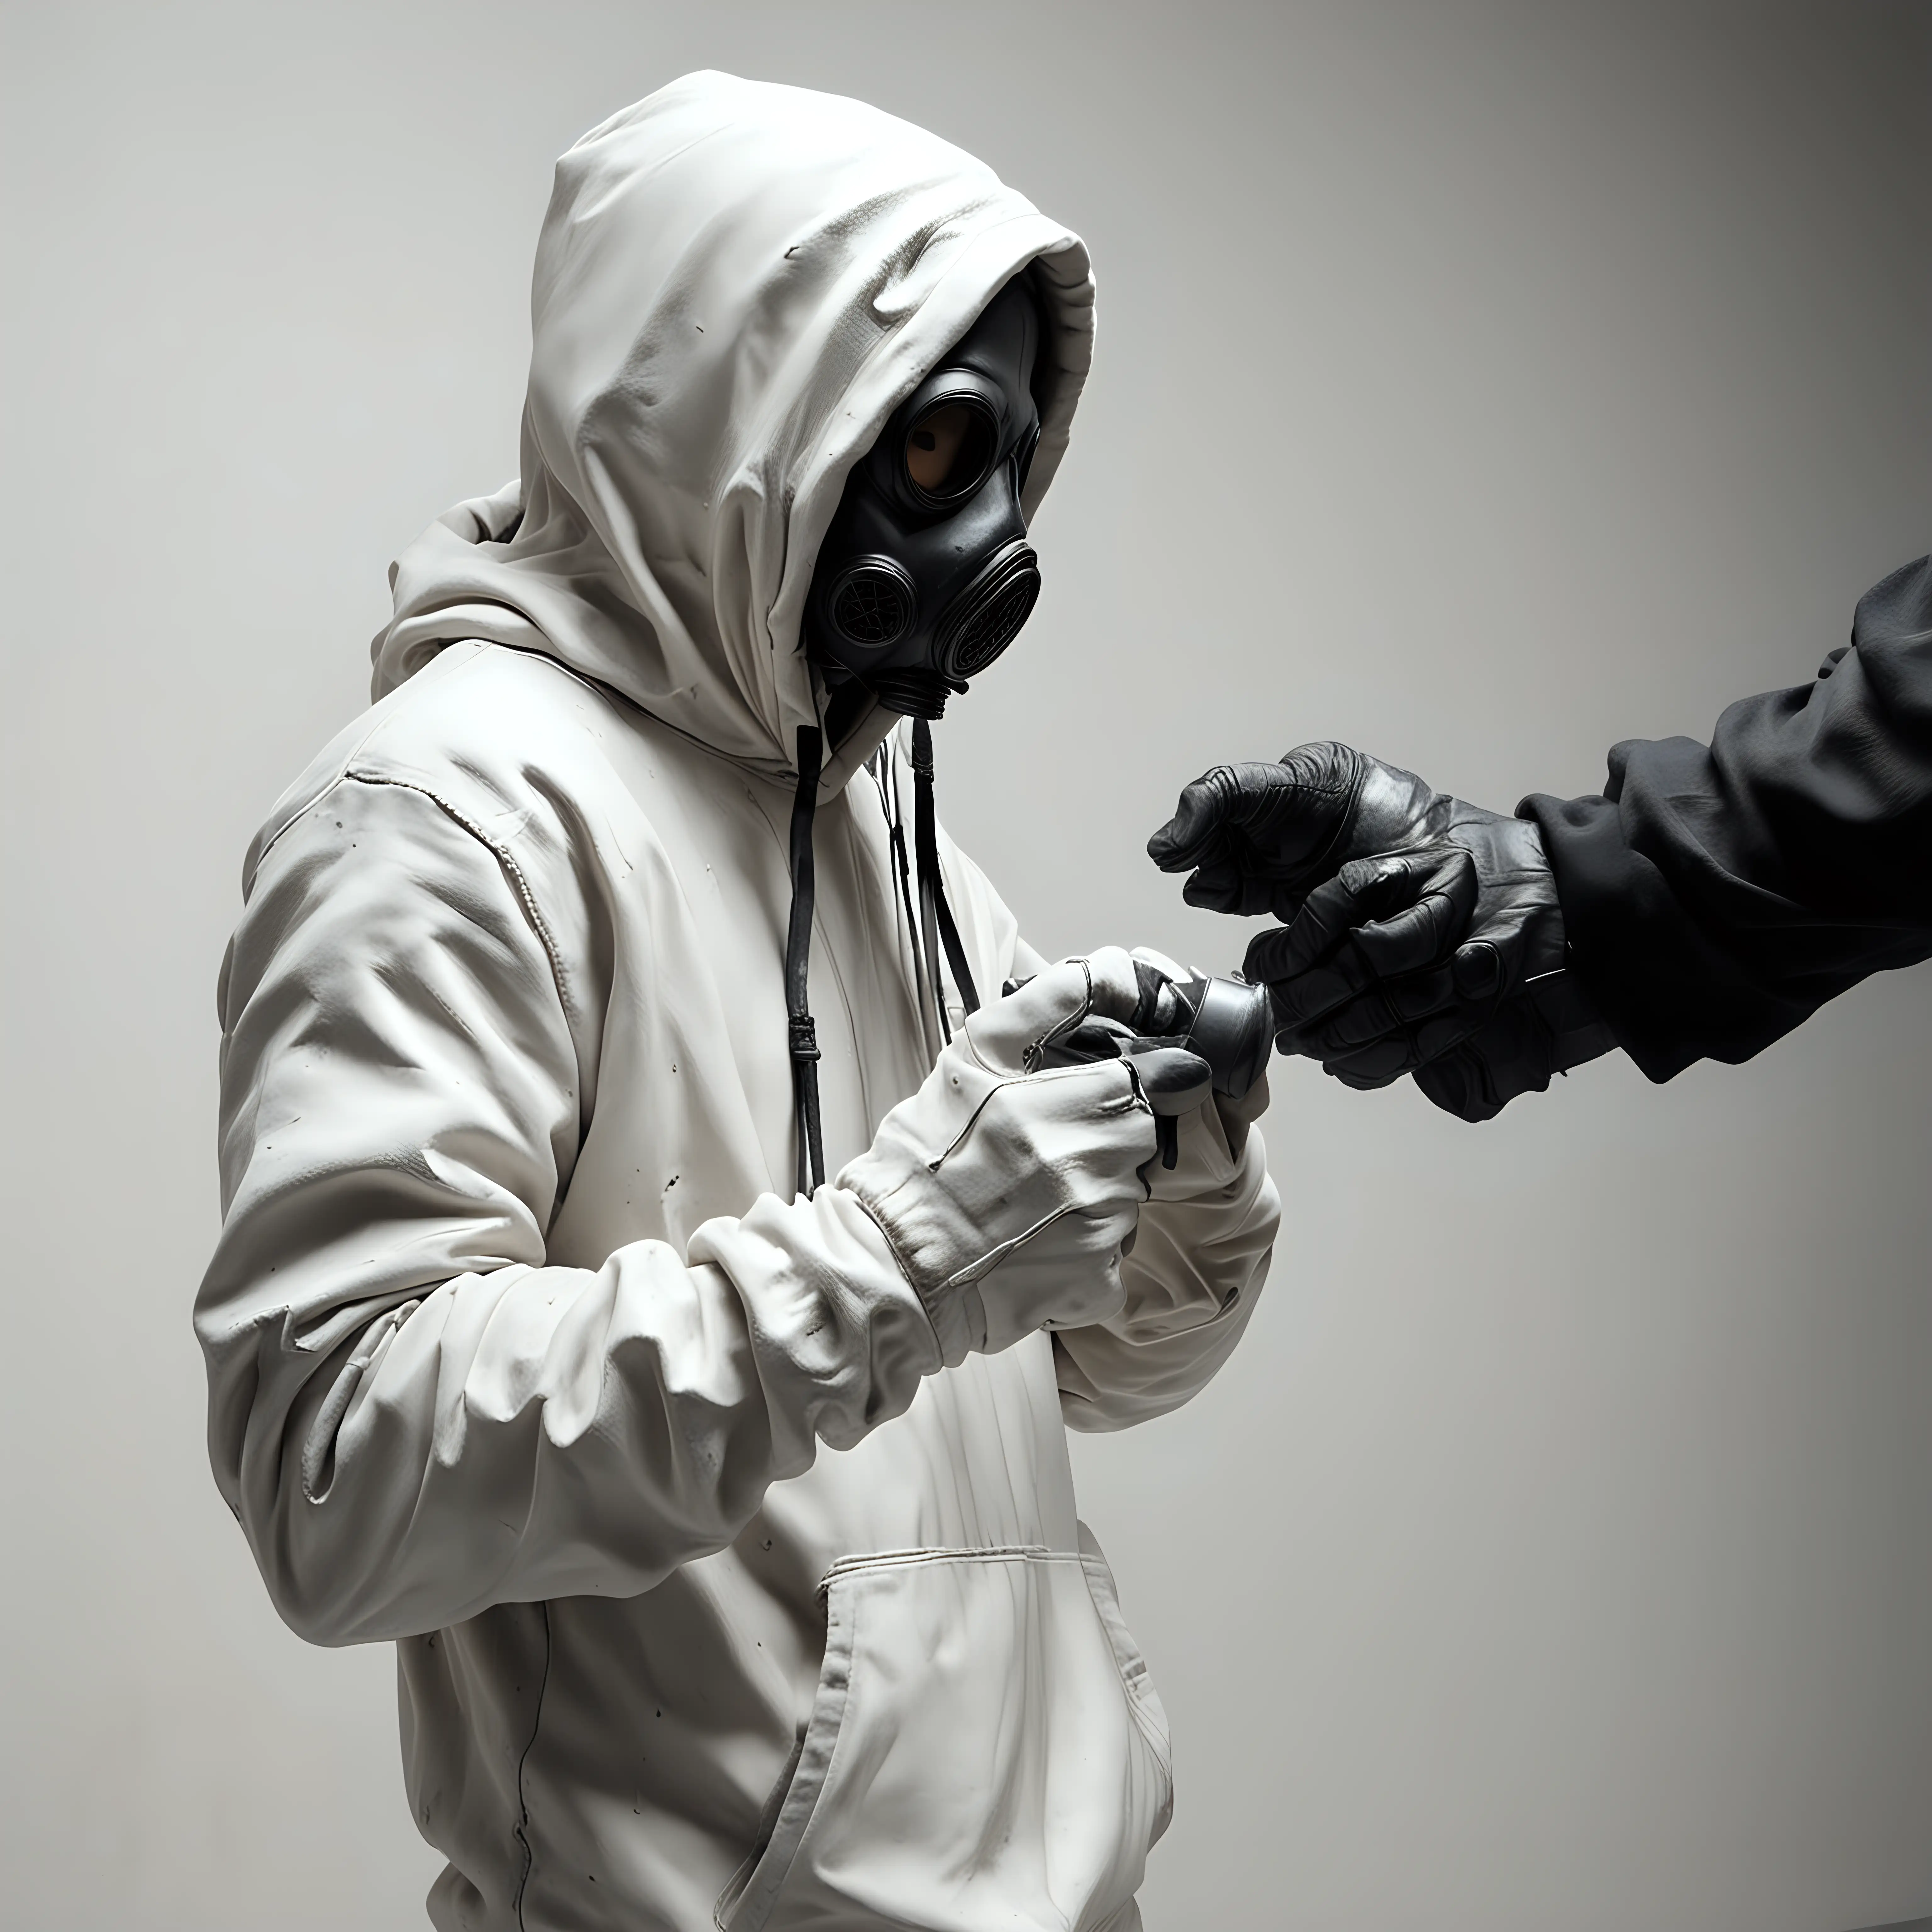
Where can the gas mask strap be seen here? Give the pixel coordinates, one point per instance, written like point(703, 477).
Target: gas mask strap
point(935, 913)
point(956, 949)
point(895, 821)
point(798, 965)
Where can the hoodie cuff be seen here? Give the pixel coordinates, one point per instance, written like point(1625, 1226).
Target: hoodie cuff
point(951, 1311)
point(1624, 933)
point(835, 1325)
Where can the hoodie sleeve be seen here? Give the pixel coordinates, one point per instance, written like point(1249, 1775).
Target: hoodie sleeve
point(1199, 1257)
point(1200, 1250)
point(1715, 896)
point(412, 1416)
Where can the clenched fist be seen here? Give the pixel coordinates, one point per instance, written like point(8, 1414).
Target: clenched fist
point(1421, 935)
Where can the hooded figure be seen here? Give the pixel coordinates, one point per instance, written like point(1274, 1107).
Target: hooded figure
point(725, 1530)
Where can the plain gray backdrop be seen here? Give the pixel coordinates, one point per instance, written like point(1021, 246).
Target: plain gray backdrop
point(1479, 384)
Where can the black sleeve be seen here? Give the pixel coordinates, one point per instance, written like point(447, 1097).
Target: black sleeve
point(1715, 896)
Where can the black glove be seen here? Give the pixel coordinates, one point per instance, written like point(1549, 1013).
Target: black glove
point(1426, 936)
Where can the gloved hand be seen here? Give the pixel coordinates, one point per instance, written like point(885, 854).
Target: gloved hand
point(1427, 935)
point(1006, 1186)
point(1223, 1026)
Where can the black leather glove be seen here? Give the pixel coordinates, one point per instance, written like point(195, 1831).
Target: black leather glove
point(1425, 935)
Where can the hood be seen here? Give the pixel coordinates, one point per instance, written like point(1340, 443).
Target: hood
point(735, 285)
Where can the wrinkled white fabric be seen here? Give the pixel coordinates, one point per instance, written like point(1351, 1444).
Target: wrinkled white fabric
point(718, 1598)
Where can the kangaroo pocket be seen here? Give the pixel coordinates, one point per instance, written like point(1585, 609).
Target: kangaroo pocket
point(985, 1750)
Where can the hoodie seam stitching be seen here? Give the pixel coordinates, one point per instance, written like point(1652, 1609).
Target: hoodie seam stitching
point(512, 871)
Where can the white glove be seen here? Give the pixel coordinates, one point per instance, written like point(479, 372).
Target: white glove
point(1004, 1192)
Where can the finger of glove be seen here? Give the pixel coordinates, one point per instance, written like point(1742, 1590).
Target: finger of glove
point(1379, 1063)
point(1274, 817)
point(1348, 1029)
point(1312, 941)
point(1006, 1035)
point(1361, 1023)
point(1310, 997)
point(1285, 953)
point(1364, 1083)
point(1423, 933)
point(1224, 885)
point(1300, 1001)
point(1512, 1054)
point(1394, 810)
point(1204, 812)
point(1423, 998)
point(1477, 970)
point(1456, 1083)
point(1426, 1008)
point(1310, 813)
point(1443, 1034)
point(1422, 1008)
point(1174, 1080)
point(1411, 901)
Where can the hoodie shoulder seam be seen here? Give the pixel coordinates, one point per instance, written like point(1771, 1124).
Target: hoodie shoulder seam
point(513, 871)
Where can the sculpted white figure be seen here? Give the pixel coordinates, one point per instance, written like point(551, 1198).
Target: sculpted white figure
point(724, 1528)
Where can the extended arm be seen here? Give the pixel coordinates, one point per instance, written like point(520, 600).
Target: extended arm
point(1711, 898)
point(1715, 897)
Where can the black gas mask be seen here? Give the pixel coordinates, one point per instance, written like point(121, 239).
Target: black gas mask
point(925, 575)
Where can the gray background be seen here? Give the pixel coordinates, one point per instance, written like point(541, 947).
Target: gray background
point(1482, 385)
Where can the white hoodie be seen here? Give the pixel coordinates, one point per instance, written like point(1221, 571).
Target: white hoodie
point(716, 1597)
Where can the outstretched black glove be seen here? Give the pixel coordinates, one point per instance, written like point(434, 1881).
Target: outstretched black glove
point(1424, 935)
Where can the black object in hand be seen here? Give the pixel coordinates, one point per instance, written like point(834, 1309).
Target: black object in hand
point(1189, 1039)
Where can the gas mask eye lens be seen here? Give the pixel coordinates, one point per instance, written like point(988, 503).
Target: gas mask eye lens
point(948, 450)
